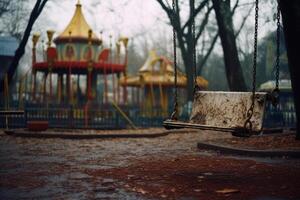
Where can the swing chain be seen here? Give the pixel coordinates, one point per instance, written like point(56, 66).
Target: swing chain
point(196, 87)
point(278, 47)
point(275, 92)
point(248, 124)
point(174, 114)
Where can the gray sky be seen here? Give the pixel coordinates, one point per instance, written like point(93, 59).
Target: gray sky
point(132, 18)
point(143, 20)
point(129, 18)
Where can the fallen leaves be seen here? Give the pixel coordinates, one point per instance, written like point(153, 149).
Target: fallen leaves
point(227, 191)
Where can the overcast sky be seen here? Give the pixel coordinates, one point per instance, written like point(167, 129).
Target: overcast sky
point(143, 20)
point(130, 18)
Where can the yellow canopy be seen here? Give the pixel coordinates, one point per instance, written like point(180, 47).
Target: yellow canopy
point(163, 74)
point(78, 26)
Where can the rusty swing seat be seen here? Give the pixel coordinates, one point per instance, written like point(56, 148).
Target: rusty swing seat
point(223, 111)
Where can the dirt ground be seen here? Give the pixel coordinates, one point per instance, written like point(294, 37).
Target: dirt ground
point(207, 177)
point(169, 167)
point(285, 141)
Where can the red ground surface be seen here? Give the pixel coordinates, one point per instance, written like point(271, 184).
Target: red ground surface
point(206, 177)
point(169, 167)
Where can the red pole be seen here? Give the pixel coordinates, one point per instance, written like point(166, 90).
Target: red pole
point(105, 87)
point(45, 91)
point(118, 89)
point(89, 92)
point(113, 85)
point(34, 86)
point(59, 88)
point(70, 86)
point(125, 79)
point(50, 79)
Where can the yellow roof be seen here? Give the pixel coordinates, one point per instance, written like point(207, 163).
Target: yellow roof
point(162, 74)
point(78, 26)
point(166, 80)
point(149, 65)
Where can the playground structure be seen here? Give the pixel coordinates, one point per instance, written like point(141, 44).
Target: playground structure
point(155, 80)
point(81, 84)
point(78, 54)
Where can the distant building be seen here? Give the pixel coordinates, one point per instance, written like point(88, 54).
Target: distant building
point(8, 46)
point(284, 114)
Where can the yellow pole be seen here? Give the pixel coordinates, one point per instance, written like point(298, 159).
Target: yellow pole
point(22, 87)
point(152, 89)
point(124, 115)
point(6, 92)
point(160, 87)
point(6, 98)
point(20, 92)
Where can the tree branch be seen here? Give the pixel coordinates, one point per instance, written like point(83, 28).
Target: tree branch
point(21, 49)
point(244, 21)
point(41, 7)
point(235, 7)
point(203, 24)
point(196, 11)
point(4, 6)
point(164, 7)
point(203, 61)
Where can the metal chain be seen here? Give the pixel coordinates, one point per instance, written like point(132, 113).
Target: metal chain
point(274, 97)
point(248, 123)
point(278, 48)
point(194, 46)
point(174, 115)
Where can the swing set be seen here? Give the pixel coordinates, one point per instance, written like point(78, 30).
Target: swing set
point(240, 113)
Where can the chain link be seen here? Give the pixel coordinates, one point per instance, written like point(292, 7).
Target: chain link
point(174, 115)
point(274, 96)
point(248, 123)
point(278, 48)
point(194, 46)
point(275, 93)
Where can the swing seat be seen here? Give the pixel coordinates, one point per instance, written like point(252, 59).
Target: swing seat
point(223, 111)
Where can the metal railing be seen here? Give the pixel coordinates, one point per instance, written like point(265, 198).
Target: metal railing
point(105, 116)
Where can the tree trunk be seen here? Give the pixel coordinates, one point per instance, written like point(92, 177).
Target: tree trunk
point(39, 5)
point(290, 11)
point(187, 57)
point(233, 68)
point(188, 63)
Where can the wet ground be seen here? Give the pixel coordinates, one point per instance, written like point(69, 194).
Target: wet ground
point(105, 169)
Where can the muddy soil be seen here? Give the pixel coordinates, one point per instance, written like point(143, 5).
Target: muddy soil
point(285, 141)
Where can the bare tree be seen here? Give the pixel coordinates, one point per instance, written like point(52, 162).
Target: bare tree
point(184, 32)
point(36, 11)
point(4, 6)
point(233, 67)
point(13, 22)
